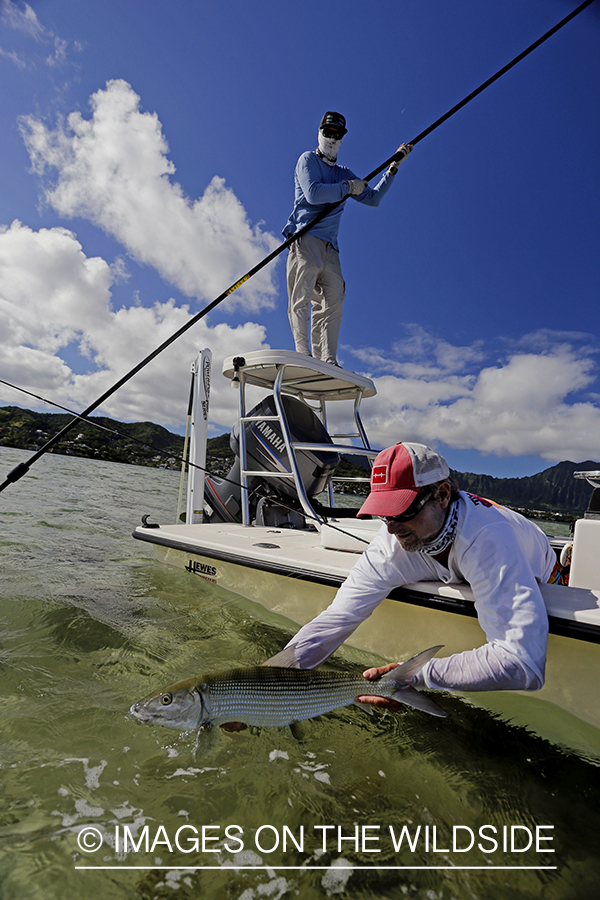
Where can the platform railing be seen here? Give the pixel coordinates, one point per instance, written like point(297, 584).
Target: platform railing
point(293, 446)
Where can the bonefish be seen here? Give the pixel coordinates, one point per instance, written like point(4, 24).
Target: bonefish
point(274, 695)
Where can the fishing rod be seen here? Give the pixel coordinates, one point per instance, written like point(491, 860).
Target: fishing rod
point(85, 420)
point(23, 467)
point(171, 453)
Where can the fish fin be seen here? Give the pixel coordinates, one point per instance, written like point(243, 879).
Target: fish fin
point(285, 659)
point(406, 671)
point(366, 706)
point(298, 730)
point(417, 700)
point(402, 676)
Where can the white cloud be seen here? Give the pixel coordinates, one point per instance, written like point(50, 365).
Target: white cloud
point(113, 170)
point(61, 336)
point(421, 354)
point(52, 297)
point(59, 57)
point(22, 18)
point(537, 398)
point(521, 405)
point(14, 57)
point(48, 288)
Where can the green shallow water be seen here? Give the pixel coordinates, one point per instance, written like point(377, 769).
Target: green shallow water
point(89, 623)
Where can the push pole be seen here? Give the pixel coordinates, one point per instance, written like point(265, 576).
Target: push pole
point(23, 467)
point(483, 86)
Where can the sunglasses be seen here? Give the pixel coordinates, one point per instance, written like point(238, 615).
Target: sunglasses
point(413, 510)
point(332, 133)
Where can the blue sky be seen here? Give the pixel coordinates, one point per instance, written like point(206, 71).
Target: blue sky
point(147, 152)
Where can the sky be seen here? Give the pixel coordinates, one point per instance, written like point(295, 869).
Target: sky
point(147, 152)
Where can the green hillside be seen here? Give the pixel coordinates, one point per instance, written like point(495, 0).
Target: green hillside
point(138, 443)
point(554, 489)
point(144, 443)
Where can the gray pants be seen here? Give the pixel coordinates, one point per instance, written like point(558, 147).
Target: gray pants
point(314, 277)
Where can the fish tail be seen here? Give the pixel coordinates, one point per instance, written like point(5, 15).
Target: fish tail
point(402, 676)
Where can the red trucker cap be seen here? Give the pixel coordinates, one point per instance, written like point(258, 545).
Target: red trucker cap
point(398, 474)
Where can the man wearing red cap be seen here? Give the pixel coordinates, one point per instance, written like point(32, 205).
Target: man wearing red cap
point(314, 276)
point(434, 532)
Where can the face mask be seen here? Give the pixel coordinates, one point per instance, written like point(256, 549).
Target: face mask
point(329, 148)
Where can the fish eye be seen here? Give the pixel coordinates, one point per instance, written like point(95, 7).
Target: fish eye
point(166, 699)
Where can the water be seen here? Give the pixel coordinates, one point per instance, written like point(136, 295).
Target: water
point(89, 623)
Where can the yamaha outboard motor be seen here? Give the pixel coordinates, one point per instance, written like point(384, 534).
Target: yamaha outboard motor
point(266, 451)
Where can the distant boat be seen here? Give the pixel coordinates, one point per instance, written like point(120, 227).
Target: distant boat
point(262, 533)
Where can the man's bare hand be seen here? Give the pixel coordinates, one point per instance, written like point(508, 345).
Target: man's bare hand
point(380, 702)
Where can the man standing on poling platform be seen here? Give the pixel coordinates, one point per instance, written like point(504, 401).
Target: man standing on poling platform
point(314, 276)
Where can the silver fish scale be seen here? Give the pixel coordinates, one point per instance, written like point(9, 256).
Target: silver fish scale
point(273, 696)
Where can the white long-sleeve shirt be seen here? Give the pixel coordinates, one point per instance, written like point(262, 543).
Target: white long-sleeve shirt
point(501, 555)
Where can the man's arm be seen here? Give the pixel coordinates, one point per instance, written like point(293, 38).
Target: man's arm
point(369, 582)
point(495, 666)
point(316, 191)
point(492, 667)
point(374, 196)
point(512, 613)
point(487, 668)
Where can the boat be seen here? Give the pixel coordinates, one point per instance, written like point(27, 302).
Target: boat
point(271, 532)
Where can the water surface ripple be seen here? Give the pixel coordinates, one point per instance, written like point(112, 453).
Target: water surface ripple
point(89, 623)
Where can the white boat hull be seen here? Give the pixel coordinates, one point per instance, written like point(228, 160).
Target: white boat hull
point(290, 574)
point(280, 560)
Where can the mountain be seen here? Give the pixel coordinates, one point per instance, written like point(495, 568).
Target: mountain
point(143, 443)
point(139, 443)
point(553, 490)
point(136, 443)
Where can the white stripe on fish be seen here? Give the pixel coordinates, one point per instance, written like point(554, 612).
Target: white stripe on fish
point(270, 695)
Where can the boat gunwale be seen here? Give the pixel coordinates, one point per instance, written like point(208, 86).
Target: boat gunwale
point(563, 627)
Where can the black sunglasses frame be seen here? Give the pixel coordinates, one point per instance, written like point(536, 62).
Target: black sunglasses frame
point(413, 510)
point(330, 131)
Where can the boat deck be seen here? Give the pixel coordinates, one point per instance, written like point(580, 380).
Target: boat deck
point(296, 553)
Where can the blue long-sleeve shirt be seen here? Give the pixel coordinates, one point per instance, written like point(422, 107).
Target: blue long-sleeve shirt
point(315, 185)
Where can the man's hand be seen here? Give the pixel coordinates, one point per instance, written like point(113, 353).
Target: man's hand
point(233, 726)
point(404, 149)
point(356, 186)
point(380, 702)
